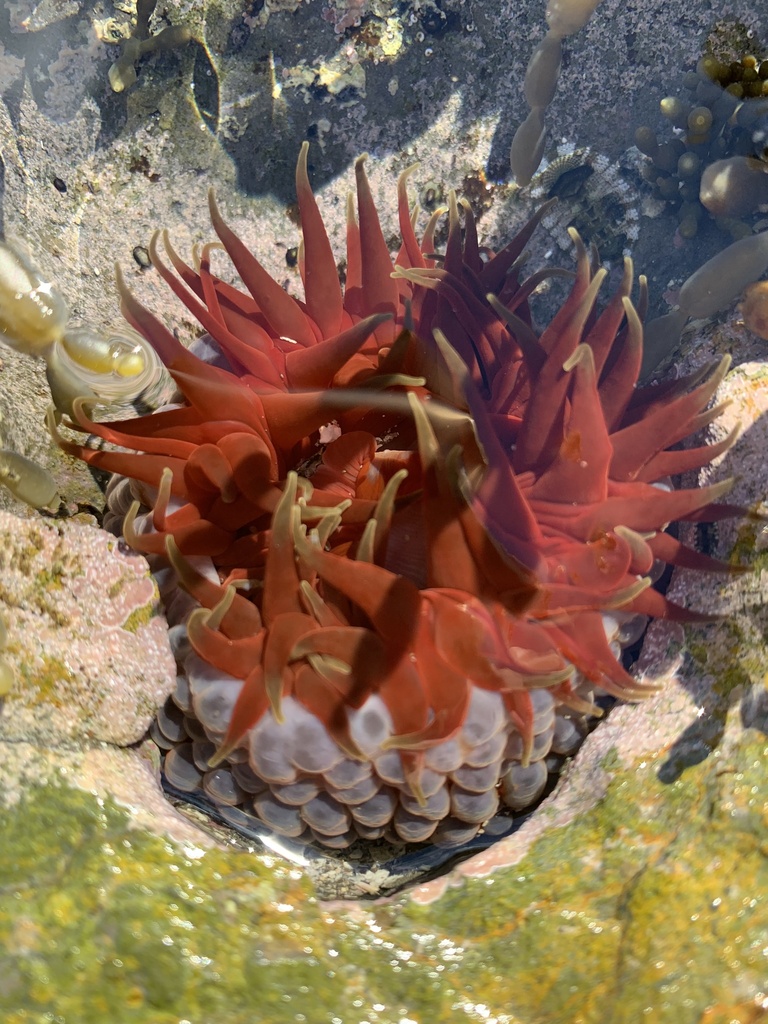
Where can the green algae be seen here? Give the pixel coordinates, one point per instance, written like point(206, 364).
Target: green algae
point(653, 903)
point(45, 680)
point(142, 616)
point(23, 559)
point(734, 653)
point(98, 923)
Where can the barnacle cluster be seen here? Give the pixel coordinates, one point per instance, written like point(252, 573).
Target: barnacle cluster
point(564, 18)
point(400, 535)
point(715, 163)
point(593, 197)
point(113, 367)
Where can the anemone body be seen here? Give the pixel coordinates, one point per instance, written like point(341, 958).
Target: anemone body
point(398, 532)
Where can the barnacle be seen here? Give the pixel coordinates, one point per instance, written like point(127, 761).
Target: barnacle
point(593, 196)
point(114, 367)
point(386, 628)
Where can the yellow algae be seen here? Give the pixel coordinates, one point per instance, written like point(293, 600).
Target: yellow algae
point(45, 681)
point(640, 903)
point(607, 908)
point(391, 41)
point(140, 617)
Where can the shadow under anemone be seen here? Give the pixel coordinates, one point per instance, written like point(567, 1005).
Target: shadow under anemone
point(400, 535)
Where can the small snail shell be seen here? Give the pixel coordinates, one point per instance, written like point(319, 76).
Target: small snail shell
point(32, 311)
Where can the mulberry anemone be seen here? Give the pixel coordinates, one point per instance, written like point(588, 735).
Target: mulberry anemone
point(398, 532)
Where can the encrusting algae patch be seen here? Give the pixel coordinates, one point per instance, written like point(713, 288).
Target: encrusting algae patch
point(654, 901)
point(85, 640)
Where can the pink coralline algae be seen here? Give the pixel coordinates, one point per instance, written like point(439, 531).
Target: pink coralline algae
point(345, 15)
point(86, 639)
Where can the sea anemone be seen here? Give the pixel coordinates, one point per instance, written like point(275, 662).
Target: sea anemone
point(398, 532)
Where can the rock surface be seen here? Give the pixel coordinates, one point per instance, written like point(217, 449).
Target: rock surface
point(640, 883)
